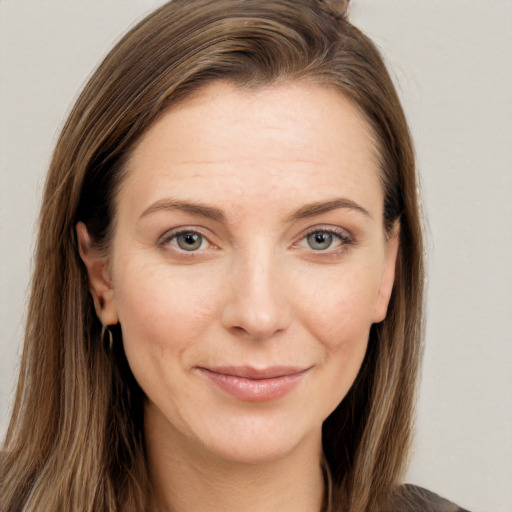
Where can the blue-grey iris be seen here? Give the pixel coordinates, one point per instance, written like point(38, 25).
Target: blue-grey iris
point(320, 240)
point(189, 241)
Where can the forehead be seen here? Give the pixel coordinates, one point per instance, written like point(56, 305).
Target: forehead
point(288, 140)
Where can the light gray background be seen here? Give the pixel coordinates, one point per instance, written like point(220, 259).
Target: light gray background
point(452, 62)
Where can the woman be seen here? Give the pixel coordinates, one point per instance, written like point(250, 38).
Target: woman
point(227, 301)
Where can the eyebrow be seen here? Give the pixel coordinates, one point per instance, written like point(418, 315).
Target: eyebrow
point(202, 210)
point(320, 207)
point(213, 213)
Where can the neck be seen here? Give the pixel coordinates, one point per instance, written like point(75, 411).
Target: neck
point(188, 479)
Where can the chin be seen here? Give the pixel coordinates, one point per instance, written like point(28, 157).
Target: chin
point(256, 441)
point(253, 452)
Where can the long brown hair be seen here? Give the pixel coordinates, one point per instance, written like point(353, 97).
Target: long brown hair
point(75, 440)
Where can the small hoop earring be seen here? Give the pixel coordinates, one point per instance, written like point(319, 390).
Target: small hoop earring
point(104, 329)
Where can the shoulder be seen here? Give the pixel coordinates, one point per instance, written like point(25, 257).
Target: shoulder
point(411, 498)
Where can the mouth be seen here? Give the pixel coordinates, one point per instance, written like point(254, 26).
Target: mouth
point(253, 384)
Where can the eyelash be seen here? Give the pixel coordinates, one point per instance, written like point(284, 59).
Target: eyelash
point(341, 234)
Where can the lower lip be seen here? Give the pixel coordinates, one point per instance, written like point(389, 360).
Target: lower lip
point(254, 390)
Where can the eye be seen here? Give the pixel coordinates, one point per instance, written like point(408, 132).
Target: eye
point(187, 240)
point(321, 239)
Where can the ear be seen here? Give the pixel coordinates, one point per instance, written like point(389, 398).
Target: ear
point(388, 275)
point(98, 270)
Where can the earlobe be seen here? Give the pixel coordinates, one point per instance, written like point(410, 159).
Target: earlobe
point(100, 285)
point(388, 275)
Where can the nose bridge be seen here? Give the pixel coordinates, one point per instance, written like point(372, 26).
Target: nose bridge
point(257, 305)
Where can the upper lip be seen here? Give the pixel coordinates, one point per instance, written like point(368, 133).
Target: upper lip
point(250, 372)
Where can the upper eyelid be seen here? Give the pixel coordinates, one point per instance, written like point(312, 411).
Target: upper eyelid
point(171, 233)
point(326, 228)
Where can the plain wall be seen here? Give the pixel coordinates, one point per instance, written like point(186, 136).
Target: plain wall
point(452, 62)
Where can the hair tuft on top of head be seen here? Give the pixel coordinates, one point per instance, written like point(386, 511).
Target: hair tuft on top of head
point(339, 9)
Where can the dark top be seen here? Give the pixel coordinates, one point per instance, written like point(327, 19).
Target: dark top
point(411, 498)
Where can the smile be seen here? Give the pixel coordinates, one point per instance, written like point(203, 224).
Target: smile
point(252, 385)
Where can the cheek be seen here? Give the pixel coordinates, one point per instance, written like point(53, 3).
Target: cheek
point(162, 313)
point(340, 314)
point(340, 318)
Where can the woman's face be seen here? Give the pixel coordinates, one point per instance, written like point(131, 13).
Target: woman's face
point(248, 263)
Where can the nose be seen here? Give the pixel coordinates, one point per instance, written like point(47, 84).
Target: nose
point(257, 305)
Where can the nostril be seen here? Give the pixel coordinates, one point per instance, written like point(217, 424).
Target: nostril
point(257, 327)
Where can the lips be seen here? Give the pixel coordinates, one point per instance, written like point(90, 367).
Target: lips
point(254, 385)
